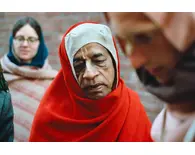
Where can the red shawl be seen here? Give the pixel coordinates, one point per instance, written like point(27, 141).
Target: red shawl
point(65, 114)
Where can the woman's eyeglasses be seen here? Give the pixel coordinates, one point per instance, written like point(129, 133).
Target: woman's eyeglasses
point(30, 40)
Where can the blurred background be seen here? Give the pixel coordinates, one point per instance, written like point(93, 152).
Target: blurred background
point(54, 25)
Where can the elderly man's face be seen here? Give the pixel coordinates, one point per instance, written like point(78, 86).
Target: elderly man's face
point(95, 71)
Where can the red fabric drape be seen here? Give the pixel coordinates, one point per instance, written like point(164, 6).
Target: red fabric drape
point(65, 114)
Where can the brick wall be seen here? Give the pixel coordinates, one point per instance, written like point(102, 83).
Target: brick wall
point(54, 24)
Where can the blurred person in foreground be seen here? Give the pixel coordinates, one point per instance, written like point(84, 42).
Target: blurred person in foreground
point(6, 111)
point(28, 73)
point(161, 47)
point(88, 100)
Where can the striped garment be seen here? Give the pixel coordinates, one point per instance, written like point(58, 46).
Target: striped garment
point(27, 87)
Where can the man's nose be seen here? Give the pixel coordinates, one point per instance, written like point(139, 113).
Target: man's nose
point(90, 71)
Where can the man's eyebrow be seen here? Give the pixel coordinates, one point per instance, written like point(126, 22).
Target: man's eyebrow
point(97, 55)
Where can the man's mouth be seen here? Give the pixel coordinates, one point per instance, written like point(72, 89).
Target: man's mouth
point(94, 88)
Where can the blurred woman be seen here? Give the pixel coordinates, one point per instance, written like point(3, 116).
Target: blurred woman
point(27, 72)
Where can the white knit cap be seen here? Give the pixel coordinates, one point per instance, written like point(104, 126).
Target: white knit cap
point(89, 33)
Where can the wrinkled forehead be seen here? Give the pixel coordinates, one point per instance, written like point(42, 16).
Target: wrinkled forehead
point(130, 22)
point(92, 49)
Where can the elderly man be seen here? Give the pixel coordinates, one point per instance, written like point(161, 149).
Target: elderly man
point(88, 101)
point(161, 47)
point(6, 112)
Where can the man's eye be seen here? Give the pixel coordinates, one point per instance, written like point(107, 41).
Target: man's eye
point(142, 39)
point(79, 67)
point(99, 61)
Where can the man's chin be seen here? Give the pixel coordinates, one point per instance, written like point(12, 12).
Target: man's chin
point(96, 96)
